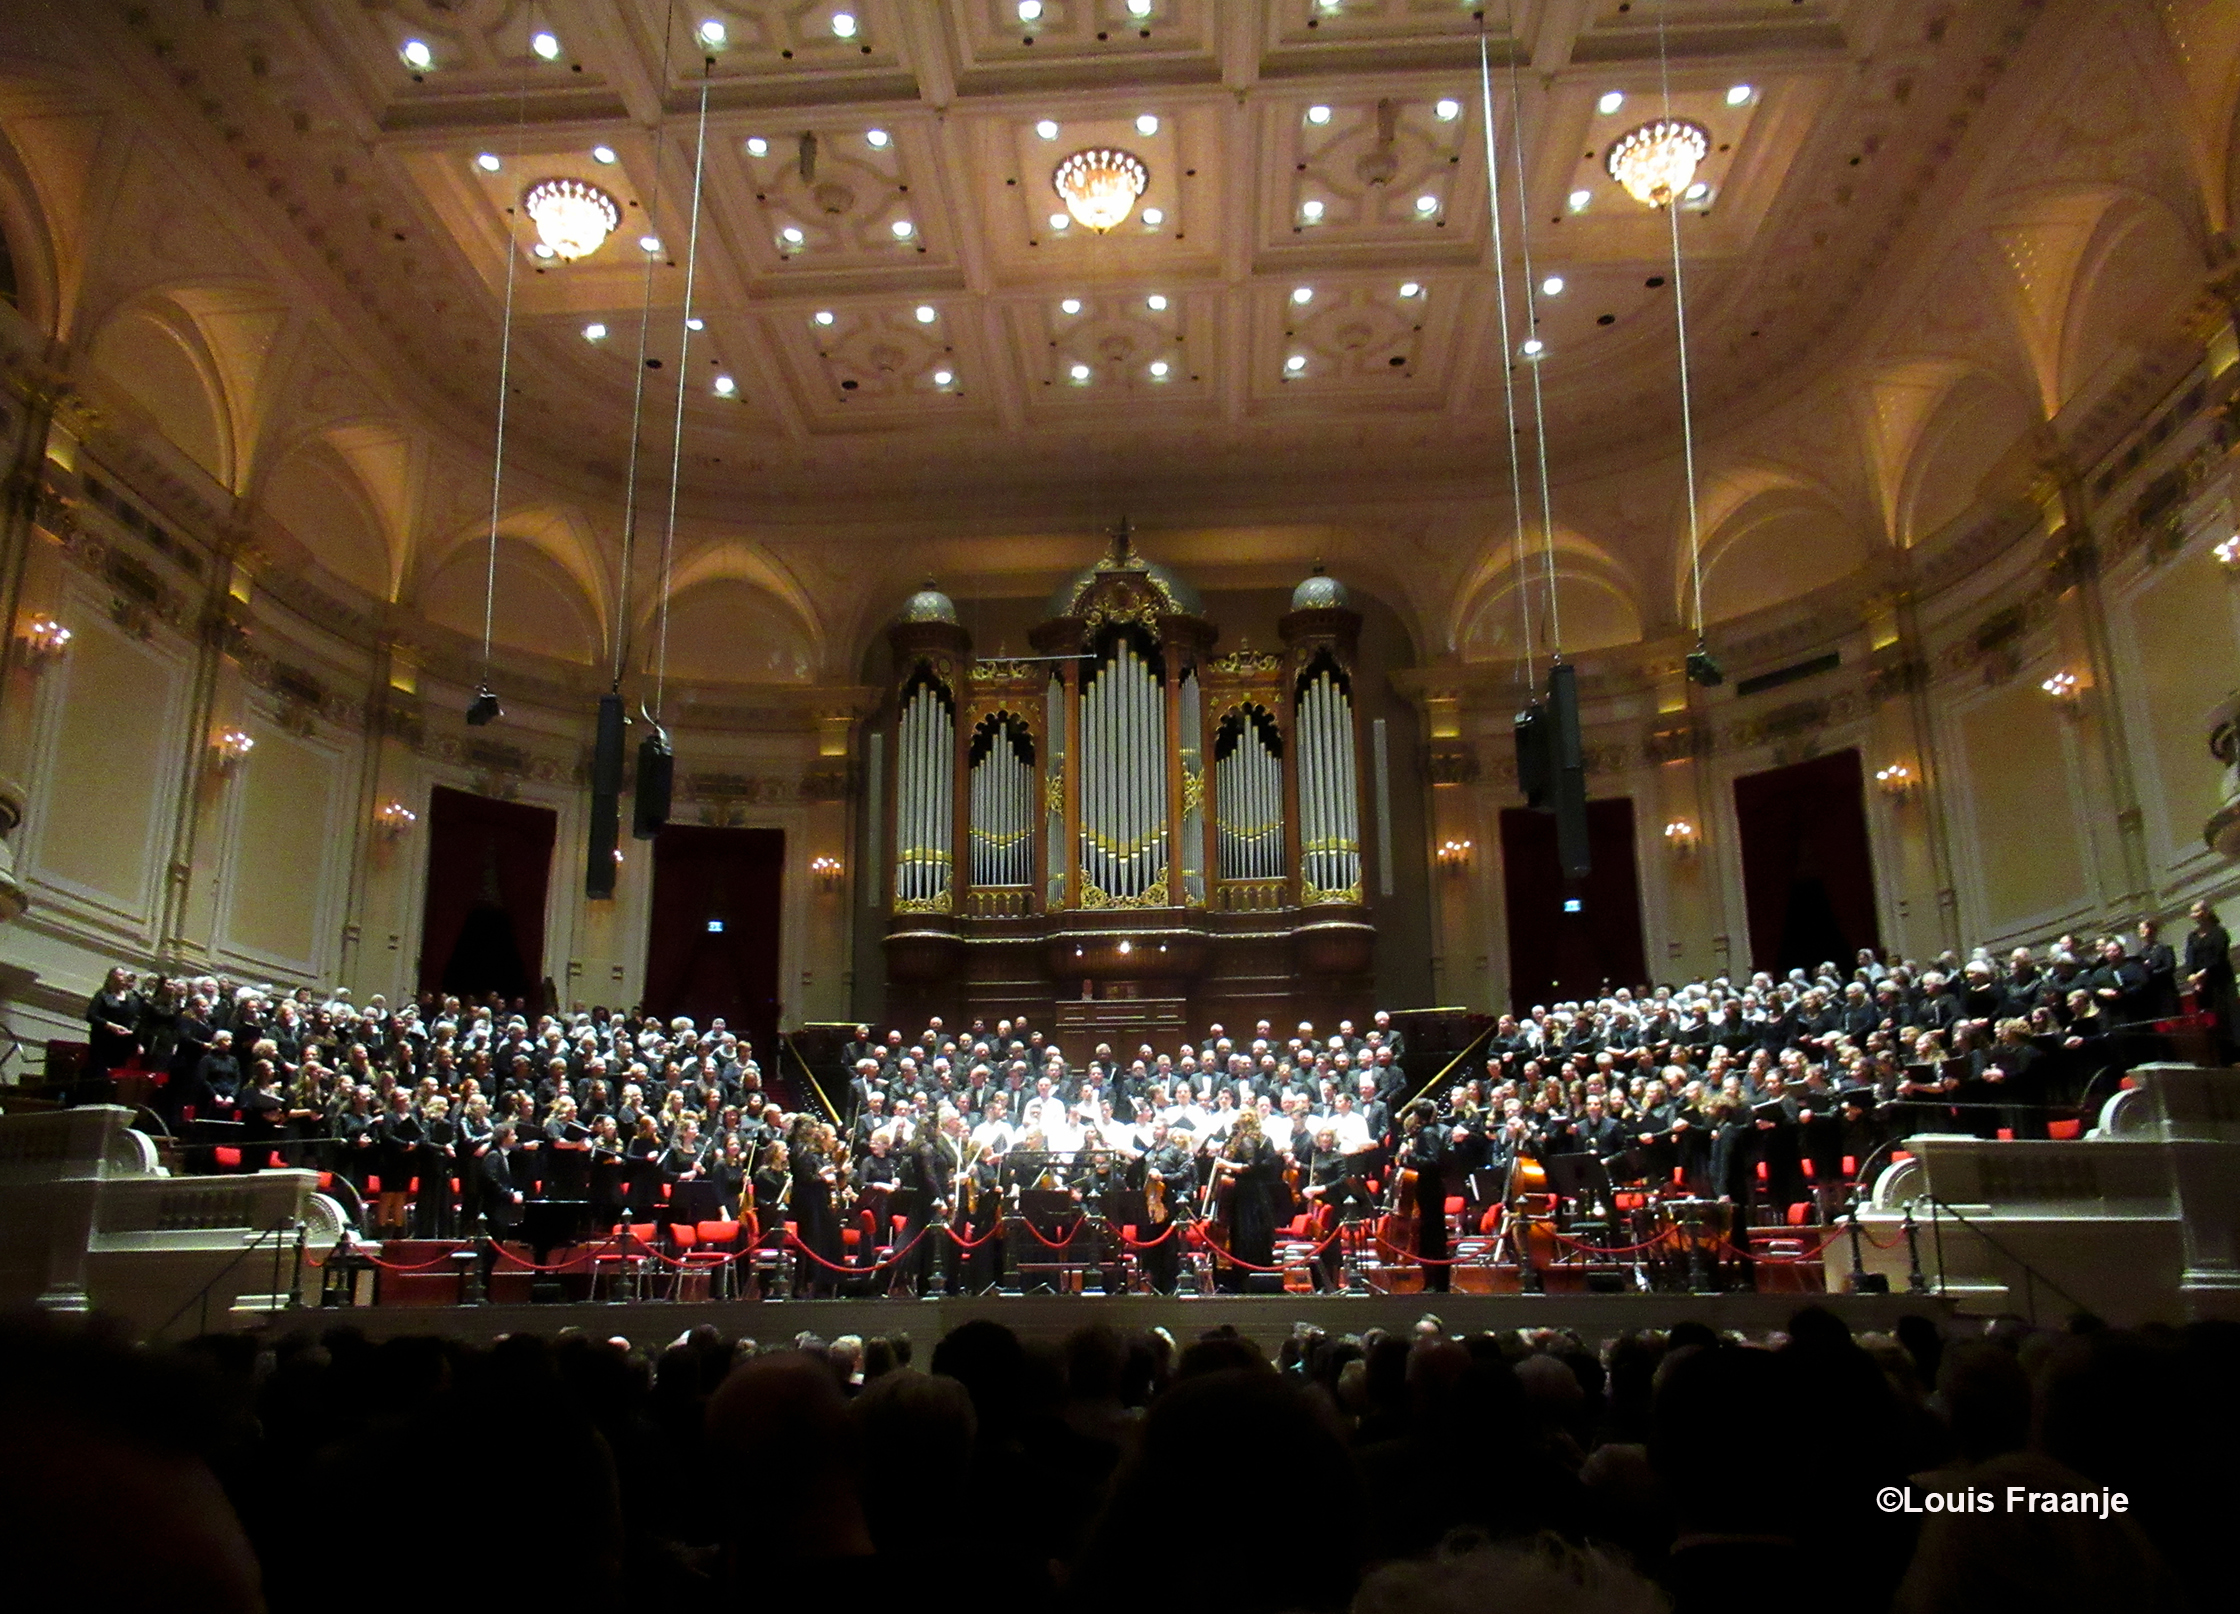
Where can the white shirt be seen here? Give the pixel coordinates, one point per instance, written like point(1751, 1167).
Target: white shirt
point(993, 1137)
point(1352, 1131)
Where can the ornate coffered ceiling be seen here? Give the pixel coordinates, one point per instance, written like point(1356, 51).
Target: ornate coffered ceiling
point(856, 179)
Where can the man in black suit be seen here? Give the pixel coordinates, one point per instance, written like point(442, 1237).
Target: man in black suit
point(2160, 962)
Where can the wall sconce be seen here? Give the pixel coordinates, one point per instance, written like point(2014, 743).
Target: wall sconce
point(44, 640)
point(1680, 838)
point(2228, 555)
point(1454, 856)
point(230, 748)
point(827, 872)
point(1897, 782)
point(393, 818)
point(2065, 690)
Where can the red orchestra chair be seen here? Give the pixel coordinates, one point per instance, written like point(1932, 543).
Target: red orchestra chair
point(718, 1249)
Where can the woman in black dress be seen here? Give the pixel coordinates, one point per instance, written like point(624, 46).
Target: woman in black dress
point(815, 1174)
point(2207, 972)
point(1254, 1170)
point(111, 1016)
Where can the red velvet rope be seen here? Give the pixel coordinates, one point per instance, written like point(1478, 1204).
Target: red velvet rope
point(1611, 1249)
point(891, 1257)
point(392, 1266)
point(1780, 1260)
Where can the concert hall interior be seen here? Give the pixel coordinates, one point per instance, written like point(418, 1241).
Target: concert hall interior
point(930, 759)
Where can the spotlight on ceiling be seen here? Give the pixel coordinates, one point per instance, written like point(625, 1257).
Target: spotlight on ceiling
point(546, 44)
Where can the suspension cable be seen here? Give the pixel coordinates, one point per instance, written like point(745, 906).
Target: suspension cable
point(505, 388)
point(638, 385)
point(1680, 323)
point(1508, 352)
point(1532, 327)
point(684, 379)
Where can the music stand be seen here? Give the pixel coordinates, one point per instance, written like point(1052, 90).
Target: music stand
point(1578, 1176)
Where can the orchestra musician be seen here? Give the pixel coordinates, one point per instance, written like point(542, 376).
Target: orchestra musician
point(1170, 1183)
point(1423, 1151)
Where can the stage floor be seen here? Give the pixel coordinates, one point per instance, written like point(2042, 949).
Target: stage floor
point(1265, 1318)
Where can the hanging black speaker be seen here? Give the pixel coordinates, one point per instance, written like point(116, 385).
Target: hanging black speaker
point(1534, 766)
point(606, 804)
point(1569, 758)
point(657, 767)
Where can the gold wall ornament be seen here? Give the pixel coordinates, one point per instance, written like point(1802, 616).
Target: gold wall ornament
point(1246, 663)
point(934, 904)
point(1313, 896)
point(1054, 790)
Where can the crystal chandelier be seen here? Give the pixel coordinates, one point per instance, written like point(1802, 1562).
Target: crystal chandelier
point(1656, 162)
point(572, 218)
point(1100, 186)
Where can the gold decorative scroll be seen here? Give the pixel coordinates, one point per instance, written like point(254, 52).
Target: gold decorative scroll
point(1314, 896)
point(937, 904)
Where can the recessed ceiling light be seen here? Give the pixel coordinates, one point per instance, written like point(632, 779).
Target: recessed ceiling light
point(1552, 286)
point(1409, 288)
point(1448, 110)
point(1156, 302)
point(1072, 305)
point(757, 146)
point(1318, 114)
point(1079, 372)
point(725, 386)
point(696, 323)
point(649, 243)
point(942, 378)
point(843, 25)
point(1302, 294)
point(417, 55)
point(594, 332)
point(488, 162)
point(791, 235)
point(1139, 8)
point(1047, 128)
point(713, 32)
point(822, 316)
point(1580, 199)
point(1296, 363)
point(1427, 203)
point(926, 314)
point(602, 154)
point(877, 137)
point(1059, 221)
point(902, 229)
point(1154, 216)
point(1311, 210)
point(1696, 192)
point(1533, 347)
point(543, 251)
point(1147, 124)
point(1610, 102)
point(545, 43)
point(1159, 369)
point(1740, 95)
point(1030, 10)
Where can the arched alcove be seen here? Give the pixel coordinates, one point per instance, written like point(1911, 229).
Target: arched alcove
point(1974, 426)
point(540, 607)
point(2129, 298)
point(315, 496)
point(1775, 548)
point(151, 355)
point(728, 629)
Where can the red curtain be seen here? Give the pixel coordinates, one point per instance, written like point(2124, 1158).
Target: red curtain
point(705, 878)
point(1807, 871)
point(1554, 954)
point(482, 921)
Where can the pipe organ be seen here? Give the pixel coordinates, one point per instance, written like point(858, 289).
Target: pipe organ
point(1002, 803)
point(925, 812)
point(1144, 819)
point(1124, 805)
point(1248, 782)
